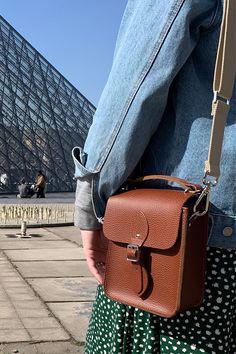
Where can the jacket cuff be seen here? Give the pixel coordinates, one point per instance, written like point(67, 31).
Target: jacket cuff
point(84, 216)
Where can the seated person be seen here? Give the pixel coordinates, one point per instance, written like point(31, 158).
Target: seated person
point(24, 190)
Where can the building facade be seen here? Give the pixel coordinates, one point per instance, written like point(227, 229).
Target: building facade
point(42, 116)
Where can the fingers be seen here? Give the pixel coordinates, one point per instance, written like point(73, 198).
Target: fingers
point(96, 263)
point(97, 270)
point(95, 249)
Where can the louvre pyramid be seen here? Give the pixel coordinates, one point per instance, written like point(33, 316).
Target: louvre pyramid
point(42, 116)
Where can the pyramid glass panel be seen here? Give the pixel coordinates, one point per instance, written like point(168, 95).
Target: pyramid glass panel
point(42, 117)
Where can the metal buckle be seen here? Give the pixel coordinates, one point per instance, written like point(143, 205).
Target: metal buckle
point(209, 181)
point(217, 97)
point(133, 252)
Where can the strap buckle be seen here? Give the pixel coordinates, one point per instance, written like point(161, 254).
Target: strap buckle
point(133, 252)
point(217, 97)
point(209, 181)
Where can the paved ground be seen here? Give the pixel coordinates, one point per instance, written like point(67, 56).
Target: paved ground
point(46, 291)
point(63, 197)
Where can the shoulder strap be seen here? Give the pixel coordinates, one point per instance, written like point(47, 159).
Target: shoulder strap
point(222, 86)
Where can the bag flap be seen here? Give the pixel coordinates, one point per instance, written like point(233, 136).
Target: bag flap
point(148, 217)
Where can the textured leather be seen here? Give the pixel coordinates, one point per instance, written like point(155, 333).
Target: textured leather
point(168, 274)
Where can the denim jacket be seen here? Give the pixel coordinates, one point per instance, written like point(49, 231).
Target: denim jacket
point(154, 115)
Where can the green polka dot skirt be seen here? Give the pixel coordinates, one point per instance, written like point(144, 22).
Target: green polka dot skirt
point(210, 328)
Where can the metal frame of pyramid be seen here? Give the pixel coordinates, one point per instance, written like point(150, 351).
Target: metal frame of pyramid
point(42, 116)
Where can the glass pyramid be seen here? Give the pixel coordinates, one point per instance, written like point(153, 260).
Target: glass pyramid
point(42, 117)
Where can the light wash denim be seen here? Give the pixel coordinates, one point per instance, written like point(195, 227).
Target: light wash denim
point(154, 115)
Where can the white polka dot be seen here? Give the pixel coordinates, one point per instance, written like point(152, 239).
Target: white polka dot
point(216, 308)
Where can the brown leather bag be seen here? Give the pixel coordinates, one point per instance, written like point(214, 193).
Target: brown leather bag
point(156, 254)
point(157, 237)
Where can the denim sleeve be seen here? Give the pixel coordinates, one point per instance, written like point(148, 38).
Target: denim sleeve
point(155, 41)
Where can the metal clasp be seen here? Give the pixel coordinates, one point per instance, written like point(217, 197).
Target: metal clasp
point(133, 252)
point(205, 194)
point(208, 183)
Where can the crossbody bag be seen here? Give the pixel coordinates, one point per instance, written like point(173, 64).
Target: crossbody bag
point(158, 237)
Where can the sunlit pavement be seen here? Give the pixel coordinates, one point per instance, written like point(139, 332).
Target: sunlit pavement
point(46, 291)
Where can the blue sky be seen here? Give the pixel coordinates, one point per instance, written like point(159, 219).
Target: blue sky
point(75, 36)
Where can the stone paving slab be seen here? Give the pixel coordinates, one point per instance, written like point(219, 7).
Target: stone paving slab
point(51, 198)
point(12, 282)
point(65, 289)
point(48, 334)
point(34, 305)
point(46, 254)
point(18, 294)
point(8, 272)
point(71, 233)
point(36, 233)
point(32, 244)
point(14, 335)
point(46, 291)
point(20, 308)
point(12, 237)
point(35, 230)
point(10, 323)
point(42, 322)
point(26, 322)
point(74, 316)
point(7, 311)
point(42, 348)
point(46, 269)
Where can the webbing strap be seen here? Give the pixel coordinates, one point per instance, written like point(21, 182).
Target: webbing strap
point(223, 84)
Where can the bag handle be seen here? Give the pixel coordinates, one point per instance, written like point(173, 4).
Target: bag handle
point(223, 83)
point(190, 187)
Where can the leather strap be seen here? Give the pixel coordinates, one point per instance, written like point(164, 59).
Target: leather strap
point(222, 86)
point(226, 55)
point(190, 187)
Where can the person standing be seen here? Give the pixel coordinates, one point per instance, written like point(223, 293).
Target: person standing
point(154, 117)
point(40, 184)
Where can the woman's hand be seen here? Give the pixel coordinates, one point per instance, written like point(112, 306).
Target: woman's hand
point(95, 250)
